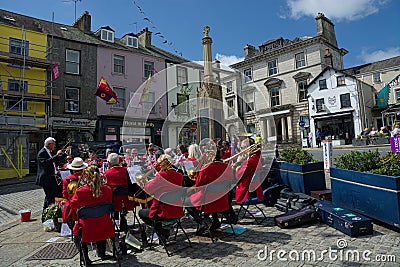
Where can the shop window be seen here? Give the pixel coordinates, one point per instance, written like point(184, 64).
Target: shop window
point(71, 100)
point(72, 61)
point(119, 64)
point(274, 94)
point(322, 84)
point(272, 67)
point(345, 101)
point(121, 97)
point(302, 85)
point(248, 76)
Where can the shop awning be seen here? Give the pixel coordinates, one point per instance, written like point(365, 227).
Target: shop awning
point(333, 115)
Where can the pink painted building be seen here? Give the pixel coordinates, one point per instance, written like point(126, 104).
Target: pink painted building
point(126, 64)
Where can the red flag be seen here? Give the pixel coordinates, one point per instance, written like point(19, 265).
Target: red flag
point(55, 72)
point(105, 92)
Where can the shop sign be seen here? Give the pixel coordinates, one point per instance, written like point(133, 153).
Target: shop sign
point(138, 124)
point(60, 122)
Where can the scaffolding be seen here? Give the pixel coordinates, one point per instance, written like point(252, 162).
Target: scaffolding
point(23, 113)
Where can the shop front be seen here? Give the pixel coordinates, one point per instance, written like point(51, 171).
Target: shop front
point(73, 130)
point(340, 128)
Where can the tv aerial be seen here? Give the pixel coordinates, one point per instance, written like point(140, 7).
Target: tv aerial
point(74, 5)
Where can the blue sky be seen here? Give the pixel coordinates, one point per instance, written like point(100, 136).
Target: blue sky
point(368, 29)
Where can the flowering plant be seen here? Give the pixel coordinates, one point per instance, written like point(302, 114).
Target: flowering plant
point(297, 156)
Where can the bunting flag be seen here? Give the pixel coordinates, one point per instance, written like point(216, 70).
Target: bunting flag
point(145, 96)
point(153, 26)
point(105, 92)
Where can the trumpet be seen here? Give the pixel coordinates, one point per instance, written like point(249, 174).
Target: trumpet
point(251, 150)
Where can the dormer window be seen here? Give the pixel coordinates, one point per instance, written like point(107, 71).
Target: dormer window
point(131, 41)
point(107, 35)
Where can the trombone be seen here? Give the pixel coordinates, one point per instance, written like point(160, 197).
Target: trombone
point(251, 150)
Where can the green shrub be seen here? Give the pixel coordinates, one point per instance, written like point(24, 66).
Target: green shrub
point(358, 161)
point(296, 155)
point(389, 165)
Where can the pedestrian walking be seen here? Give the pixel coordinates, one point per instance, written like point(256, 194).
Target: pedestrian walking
point(47, 174)
point(318, 136)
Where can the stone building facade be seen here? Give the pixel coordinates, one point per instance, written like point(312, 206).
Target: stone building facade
point(274, 79)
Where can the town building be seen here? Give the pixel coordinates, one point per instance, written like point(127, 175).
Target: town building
point(274, 81)
point(383, 75)
point(24, 67)
point(339, 105)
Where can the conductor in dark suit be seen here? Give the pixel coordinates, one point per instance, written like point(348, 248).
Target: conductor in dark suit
point(47, 171)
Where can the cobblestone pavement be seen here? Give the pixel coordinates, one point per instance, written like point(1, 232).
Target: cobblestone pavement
point(260, 245)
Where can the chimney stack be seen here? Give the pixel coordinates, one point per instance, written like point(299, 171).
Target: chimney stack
point(326, 29)
point(84, 23)
point(144, 38)
point(249, 50)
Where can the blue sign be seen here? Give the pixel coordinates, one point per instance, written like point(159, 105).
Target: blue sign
point(302, 123)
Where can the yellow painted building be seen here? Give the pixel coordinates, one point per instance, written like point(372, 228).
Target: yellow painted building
point(23, 73)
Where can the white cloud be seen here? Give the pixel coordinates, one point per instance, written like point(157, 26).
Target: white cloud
point(369, 57)
point(228, 60)
point(336, 10)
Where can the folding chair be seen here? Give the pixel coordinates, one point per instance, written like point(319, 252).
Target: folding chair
point(174, 196)
point(256, 180)
point(215, 188)
point(96, 211)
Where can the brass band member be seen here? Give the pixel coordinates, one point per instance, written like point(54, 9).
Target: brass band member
point(245, 172)
point(213, 202)
point(70, 184)
point(167, 179)
point(92, 229)
point(117, 176)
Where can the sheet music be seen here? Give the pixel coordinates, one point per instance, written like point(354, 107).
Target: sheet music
point(133, 171)
point(65, 174)
point(188, 164)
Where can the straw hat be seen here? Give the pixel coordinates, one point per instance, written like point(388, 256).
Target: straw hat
point(77, 164)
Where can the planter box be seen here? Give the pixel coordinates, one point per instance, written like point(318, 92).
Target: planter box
point(359, 142)
point(300, 177)
point(373, 195)
point(379, 141)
